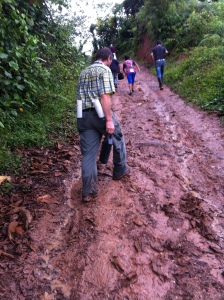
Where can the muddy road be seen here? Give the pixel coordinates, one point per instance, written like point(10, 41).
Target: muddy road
point(157, 234)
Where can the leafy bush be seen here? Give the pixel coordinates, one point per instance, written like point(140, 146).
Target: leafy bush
point(199, 78)
point(39, 70)
point(9, 162)
point(211, 40)
point(22, 77)
point(52, 120)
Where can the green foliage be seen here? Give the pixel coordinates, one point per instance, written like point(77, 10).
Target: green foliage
point(39, 67)
point(153, 14)
point(199, 78)
point(106, 31)
point(32, 47)
point(132, 7)
point(126, 37)
point(22, 78)
point(211, 40)
point(5, 188)
point(183, 24)
point(117, 29)
point(196, 26)
point(9, 162)
point(53, 119)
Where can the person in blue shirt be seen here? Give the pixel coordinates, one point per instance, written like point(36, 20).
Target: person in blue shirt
point(158, 56)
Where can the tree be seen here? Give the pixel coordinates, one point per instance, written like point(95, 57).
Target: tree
point(132, 7)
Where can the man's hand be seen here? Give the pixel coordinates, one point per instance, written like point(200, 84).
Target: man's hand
point(106, 104)
point(110, 127)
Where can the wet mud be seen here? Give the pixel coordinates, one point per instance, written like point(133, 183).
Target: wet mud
point(156, 234)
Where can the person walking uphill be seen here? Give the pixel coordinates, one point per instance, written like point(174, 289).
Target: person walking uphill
point(115, 69)
point(113, 50)
point(96, 83)
point(158, 57)
point(129, 68)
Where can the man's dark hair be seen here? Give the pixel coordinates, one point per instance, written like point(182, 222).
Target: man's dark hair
point(103, 54)
point(159, 42)
point(126, 57)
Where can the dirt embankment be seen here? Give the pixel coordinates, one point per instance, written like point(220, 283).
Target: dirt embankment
point(144, 51)
point(157, 234)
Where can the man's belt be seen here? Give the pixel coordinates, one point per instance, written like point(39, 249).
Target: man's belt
point(160, 59)
point(89, 109)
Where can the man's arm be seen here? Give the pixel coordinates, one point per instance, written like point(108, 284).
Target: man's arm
point(137, 65)
point(124, 67)
point(105, 100)
point(152, 55)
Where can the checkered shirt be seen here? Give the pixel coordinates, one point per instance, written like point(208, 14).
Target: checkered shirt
point(94, 81)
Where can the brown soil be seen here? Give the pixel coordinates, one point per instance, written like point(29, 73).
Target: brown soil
point(157, 234)
point(144, 51)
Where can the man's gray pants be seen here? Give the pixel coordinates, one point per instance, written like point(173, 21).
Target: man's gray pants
point(91, 128)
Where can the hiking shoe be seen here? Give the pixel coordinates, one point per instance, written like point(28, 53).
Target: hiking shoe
point(90, 197)
point(130, 94)
point(126, 172)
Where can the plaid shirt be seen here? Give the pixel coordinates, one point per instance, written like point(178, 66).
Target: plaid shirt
point(94, 81)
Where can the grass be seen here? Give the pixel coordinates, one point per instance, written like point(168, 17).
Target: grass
point(199, 78)
point(53, 119)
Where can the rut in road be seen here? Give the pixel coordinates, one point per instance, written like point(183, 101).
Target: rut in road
point(157, 234)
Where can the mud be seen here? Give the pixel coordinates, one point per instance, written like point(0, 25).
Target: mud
point(157, 234)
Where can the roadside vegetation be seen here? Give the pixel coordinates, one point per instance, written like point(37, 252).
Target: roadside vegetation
point(192, 31)
point(199, 77)
point(40, 64)
point(41, 61)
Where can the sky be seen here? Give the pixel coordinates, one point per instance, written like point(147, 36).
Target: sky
point(90, 6)
point(90, 10)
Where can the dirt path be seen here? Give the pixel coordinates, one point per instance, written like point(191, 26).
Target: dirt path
point(158, 234)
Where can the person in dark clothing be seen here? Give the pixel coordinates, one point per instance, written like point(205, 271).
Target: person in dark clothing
point(115, 69)
point(158, 56)
point(113, 50)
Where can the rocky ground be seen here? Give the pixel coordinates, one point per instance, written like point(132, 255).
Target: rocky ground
point(157, 234)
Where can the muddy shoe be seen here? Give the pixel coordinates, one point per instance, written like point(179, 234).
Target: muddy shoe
point(90, 197)
point(95, 193)
point(87, 199)
point(126, 172)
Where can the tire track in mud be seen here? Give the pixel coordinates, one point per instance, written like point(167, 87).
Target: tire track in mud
point(157, 234)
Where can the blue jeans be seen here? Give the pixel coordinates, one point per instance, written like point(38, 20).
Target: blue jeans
point(91, 128)
point(160, 66)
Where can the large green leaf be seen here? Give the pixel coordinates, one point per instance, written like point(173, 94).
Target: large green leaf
point(20, 87)
point(14, 65)
point(8, 74)
point(3, 55)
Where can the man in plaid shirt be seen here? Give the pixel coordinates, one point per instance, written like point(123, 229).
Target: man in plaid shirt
point(96, 82)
